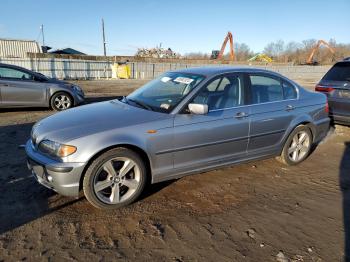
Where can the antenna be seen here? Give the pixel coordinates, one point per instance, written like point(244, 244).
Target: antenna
point(103, 37)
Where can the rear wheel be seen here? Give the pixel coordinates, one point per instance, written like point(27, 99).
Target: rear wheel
point(297, 147)
point(61, 101)
point(115, 179)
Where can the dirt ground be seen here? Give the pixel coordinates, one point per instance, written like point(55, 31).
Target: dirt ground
point(260, 211)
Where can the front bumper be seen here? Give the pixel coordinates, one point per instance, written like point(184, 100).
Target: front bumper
point(64, 178)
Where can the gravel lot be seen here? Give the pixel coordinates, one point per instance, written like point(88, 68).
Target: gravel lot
point(261, 211)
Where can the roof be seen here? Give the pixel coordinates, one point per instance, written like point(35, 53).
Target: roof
point(214, 70)
point(15, 67)
point(67, 51)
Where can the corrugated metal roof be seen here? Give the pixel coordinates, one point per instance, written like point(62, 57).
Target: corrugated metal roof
point(18, 48)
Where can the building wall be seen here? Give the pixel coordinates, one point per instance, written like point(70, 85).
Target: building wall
point(18, 48)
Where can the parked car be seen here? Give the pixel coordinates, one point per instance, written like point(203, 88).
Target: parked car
point(183, 122)
point(336, 85)
point(20, 87)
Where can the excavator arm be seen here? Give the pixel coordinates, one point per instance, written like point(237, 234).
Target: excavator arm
point(222, 50)
point(316, 47)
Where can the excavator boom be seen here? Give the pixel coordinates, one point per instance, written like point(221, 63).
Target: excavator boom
point(316, 47)
point(222, 50)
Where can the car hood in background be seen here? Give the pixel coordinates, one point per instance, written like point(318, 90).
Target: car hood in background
point(91, 119)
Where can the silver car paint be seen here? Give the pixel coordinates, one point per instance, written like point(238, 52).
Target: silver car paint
point(30, 93)
point(183, 144)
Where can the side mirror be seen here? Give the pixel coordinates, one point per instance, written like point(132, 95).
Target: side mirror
point(198, 109)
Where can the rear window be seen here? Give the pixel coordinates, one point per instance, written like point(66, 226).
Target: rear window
point(339, 72)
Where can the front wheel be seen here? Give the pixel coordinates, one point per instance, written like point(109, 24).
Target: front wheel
point(61, 101)
point(297, 147)
point(115, 179)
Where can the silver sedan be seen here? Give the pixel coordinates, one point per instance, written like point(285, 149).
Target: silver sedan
point(20, 87)
point(183, 122)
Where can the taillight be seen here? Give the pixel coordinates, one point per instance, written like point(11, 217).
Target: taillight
point(326, 108)
point(325, 89)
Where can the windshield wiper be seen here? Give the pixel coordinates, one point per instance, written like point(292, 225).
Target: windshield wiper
point(145, 106)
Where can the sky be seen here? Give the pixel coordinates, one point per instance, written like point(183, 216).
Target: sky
point(184, 25)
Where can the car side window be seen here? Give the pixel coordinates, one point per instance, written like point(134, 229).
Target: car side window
point(289, 90)
point(229, 92)
point(214, 85)
point(6, 72)
point(265, 89)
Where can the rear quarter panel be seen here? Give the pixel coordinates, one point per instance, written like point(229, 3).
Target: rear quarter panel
point(310, 110)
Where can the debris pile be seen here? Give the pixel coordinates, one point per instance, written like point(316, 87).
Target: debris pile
point(157, 52)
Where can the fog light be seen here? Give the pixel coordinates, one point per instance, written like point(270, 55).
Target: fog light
point(49, 178)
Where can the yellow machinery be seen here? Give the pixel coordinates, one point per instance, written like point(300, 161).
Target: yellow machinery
point(261, 58)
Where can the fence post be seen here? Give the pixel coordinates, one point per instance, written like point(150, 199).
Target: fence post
point(133, 70)
point(153, 70)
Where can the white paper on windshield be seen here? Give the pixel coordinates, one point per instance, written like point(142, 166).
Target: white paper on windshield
point(183, 80)
point(165, 106)
point(165, 79)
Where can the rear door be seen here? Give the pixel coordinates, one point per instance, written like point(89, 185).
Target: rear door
point(219, 136)
point(273, 104)
point(19, 88)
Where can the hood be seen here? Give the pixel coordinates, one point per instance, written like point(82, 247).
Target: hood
point(90, 119)
point(57, 81)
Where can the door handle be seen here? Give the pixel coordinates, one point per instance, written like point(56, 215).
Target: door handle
point(289, 107)
point(4, 85)
point(241, 115)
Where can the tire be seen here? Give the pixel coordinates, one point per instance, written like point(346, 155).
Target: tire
point(115, 179)
point(297, 147)
point(61, 101)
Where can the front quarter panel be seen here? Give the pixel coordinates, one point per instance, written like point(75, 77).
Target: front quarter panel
point(150, 137)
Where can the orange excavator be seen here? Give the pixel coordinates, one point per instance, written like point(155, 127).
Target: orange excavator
point(315, 48)
point(216, 54)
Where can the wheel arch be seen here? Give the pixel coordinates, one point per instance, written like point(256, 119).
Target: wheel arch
point(53, 92)
point(302, 122)
point(142, 153)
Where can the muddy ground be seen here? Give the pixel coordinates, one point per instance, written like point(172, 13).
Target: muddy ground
point(261, 211)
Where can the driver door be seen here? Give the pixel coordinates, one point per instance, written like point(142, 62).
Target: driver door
point(221, 135)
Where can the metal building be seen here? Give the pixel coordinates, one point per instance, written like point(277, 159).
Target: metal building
point(18, 48)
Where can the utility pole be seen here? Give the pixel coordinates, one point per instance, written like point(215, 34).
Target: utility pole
point(104, 38)
point(42, 33)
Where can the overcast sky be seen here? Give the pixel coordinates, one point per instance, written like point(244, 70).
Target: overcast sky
point(184, 25)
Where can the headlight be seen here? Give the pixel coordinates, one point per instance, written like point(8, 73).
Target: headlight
point(56, 149)
point(77, 89)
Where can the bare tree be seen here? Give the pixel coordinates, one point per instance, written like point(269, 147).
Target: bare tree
point(274, 49)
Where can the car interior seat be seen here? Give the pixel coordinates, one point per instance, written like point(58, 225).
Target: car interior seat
point(230, 96)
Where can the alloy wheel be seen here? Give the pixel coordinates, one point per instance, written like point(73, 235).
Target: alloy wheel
point(62, 102)
point(117, 180)
point(299, 147)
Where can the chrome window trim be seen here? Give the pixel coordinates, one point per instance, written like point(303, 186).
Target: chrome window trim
point(227, 108)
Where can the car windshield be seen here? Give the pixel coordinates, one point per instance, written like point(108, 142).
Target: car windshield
point(339, 72)
point(43, 76)
point(164, 93)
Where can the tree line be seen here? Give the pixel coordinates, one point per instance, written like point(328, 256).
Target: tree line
point(291, 52)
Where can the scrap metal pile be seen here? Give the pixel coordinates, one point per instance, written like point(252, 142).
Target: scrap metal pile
point(157, 53)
